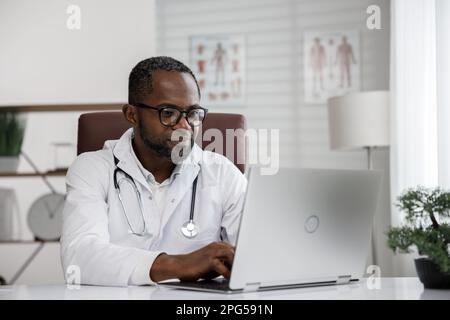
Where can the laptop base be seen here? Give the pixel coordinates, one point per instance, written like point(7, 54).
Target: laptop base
point(222, 286)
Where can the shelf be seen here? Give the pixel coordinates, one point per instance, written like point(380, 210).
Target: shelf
point(27, 242)
point(58, 173)
point(63, 107)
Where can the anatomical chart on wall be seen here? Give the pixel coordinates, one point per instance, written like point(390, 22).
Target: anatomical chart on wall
point(331, 64)
point(218, 62)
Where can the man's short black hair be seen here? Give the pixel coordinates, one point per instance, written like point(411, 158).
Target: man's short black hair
point(140, 81)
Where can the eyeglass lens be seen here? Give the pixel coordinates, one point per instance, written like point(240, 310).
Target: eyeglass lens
point(171, 116)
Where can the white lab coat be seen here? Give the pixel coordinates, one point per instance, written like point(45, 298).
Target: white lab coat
point(95, 234)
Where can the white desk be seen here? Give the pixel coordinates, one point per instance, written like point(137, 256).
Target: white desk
point(391, 288)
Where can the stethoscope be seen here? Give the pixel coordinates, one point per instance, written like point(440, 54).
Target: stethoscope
point(189, 229)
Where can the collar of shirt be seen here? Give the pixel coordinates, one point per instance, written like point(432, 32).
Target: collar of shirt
point(122, 149)
point(149, 177)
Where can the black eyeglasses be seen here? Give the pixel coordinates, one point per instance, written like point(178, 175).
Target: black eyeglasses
point(170, 115)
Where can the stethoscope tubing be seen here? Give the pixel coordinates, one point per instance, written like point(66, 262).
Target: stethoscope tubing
point(133, 183)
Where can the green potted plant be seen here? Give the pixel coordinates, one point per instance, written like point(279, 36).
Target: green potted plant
point(427, 228)
point(12, 128)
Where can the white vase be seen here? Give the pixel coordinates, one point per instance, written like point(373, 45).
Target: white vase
point(9, 163)
point(10, 228)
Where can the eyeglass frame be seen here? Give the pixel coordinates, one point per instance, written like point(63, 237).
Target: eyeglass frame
point(182, 112)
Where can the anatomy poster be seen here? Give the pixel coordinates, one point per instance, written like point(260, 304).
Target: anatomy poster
point(218, 62)
point(331, 64)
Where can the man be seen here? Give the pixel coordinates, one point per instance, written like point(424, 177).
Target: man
point(345, 57)
point(137, 238)
point(317, 63)
point(220, 60)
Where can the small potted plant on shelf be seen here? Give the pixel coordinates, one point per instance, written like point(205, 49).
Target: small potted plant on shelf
point(427, 228)
point(12, 128)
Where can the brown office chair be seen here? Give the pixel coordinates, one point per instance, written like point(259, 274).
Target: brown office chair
point(95, 128)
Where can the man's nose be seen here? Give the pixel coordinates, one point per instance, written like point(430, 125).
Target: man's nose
point(183, 123)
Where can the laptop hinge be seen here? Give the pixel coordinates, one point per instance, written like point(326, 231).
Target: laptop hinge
point(252, 286)
point(343, 279)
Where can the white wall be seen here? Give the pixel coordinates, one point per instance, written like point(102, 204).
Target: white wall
point(42, 62)
point(56, 65)
point(44, 269)
point(274, 31)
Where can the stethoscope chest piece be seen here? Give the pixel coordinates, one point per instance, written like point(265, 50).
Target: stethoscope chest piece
point(189, 229)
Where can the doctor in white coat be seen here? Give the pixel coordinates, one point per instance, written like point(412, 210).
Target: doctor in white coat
point(128, 203)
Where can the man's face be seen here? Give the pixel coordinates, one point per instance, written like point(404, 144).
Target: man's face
point(172, 88)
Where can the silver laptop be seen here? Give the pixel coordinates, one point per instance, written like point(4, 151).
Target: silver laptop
point(300, 227)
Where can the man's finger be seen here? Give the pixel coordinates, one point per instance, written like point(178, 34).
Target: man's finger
point(225, 254)
point(224, 245)
point(221, 269)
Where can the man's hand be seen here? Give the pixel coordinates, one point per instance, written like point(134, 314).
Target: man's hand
point(208, 262)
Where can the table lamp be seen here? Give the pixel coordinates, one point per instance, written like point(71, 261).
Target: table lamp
point(359, 121)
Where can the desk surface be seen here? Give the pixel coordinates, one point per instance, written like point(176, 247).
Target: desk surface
point(390, 289)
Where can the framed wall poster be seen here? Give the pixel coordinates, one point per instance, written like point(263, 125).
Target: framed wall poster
point(331, 64)
point(218, 62)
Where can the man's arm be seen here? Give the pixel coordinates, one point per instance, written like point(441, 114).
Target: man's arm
point(216, 258)
point(208, 262)
point(85, 240)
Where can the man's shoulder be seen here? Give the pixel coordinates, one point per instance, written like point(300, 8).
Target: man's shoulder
point(92, 161)
point(98, 156)
point(218, 164)
point(214, 158)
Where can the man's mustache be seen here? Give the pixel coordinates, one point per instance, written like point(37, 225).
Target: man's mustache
point(182, 135)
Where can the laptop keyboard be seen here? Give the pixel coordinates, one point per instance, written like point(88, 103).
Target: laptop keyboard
point(221, 284)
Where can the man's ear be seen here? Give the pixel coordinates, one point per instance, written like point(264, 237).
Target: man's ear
point(130, 114)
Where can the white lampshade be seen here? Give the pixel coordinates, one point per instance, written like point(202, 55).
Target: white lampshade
point(359, 120)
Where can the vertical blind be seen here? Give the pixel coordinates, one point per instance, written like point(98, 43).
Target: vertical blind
point(274, 70)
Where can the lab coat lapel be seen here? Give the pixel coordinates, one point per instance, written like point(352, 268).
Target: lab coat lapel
point(126, 162)
point(181, 185)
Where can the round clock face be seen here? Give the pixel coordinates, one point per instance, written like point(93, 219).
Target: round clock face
point(45, 216)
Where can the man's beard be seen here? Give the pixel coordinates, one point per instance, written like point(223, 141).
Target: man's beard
point(159, 145)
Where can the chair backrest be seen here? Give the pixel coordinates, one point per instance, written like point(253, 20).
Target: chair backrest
point(97, 127)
